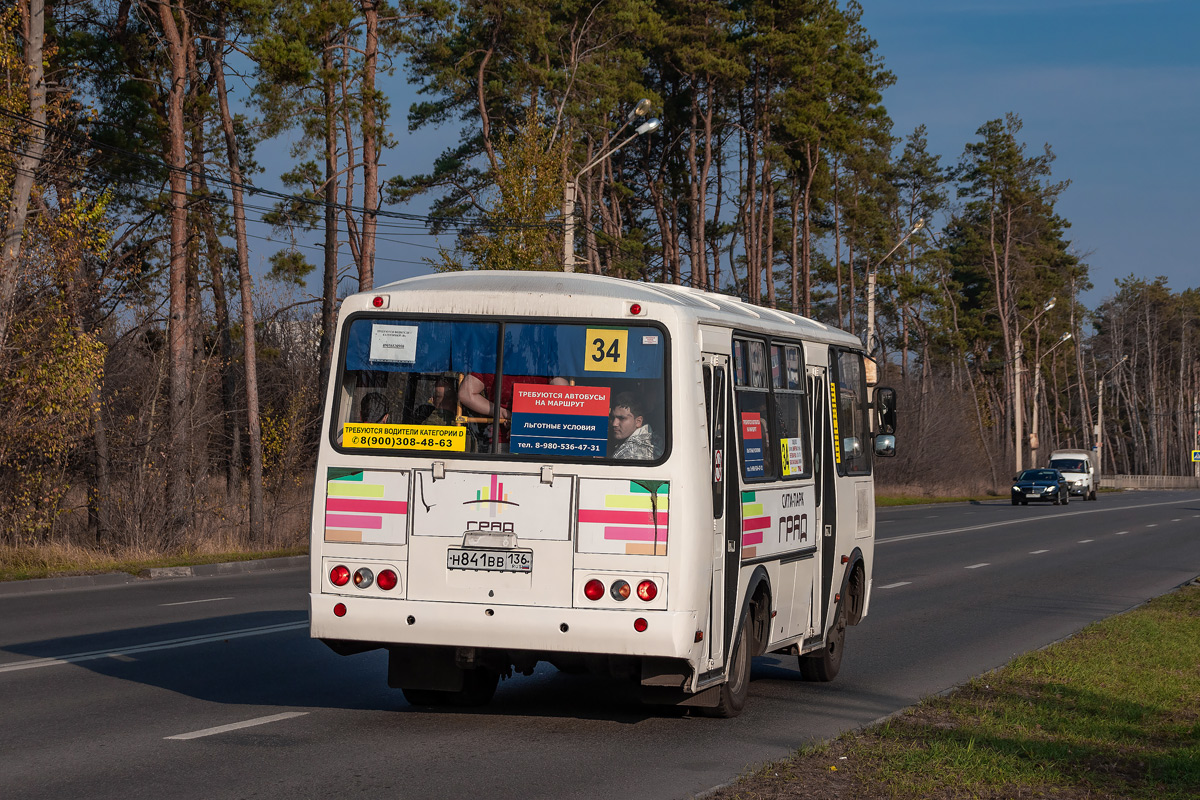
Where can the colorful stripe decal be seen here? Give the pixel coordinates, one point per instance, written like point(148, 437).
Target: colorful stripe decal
point(340, 489)
point(629, 534)
point(366, 506)
point(353, 521)
point(753, 524)
point(627, 501)
point(365, 509)
point(632, 518)
point(624, 517)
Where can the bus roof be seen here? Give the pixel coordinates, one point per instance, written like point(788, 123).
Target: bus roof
point(481, 291)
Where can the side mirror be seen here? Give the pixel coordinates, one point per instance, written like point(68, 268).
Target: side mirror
point(885, 445)
point(885, 409)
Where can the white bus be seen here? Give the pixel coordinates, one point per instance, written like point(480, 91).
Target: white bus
point(668, 483)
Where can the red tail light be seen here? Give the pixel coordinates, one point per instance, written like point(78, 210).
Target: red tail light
point(647, 591)
point(387, 580)
point(640, 625)
point(593, 589)
point(339, 610)
point(339, 575)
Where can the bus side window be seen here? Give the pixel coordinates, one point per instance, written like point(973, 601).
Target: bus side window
point(752, 406)
point(851, 390)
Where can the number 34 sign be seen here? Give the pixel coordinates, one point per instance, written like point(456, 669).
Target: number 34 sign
point(606, 350)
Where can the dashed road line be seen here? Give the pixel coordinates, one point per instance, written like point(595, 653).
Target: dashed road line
point(168, 644)
point(1152, 525)
point(193, 602)
point(1020, 521)
point(1085, 541)
point(234, 726)
point(1121, 533)
point(977, 566)
point(896, 585)
point(1037, 552)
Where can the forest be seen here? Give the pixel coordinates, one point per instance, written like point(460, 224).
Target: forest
point(160, 390)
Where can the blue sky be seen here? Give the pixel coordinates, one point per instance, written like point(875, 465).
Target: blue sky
point(1112, 85)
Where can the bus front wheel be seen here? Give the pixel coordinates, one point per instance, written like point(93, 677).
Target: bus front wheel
point(735, 690)
point(824, 664)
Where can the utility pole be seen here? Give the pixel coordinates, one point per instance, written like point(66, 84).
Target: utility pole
point(571, 187)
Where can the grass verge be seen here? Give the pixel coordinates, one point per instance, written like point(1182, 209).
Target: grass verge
point(26, 563)
point(1112, 712)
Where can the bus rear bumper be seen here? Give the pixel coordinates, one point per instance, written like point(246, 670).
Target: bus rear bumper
point(668, 634)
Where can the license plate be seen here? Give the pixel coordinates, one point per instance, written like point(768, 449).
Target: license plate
point(489, 560)
point(1033, 494)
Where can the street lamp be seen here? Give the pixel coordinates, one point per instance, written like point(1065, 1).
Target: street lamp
point(1100, 410)
point(1037, 381)
point(572, 186)
point(1018, 402)
point(871, 284)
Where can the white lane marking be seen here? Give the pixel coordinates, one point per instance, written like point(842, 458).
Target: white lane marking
point(896, 585)
point(1037, 552)
point(1177, 519)
point(1022, 521)
point(168, 644)
point(250, 723)
point(977, 566)
point(192, 602)
point(1152, 525)
point(1121, 533)
point(1085, 541)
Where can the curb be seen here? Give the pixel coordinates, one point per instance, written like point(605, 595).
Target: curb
point(38, 585)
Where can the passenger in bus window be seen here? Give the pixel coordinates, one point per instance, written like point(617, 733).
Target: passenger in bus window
point(373, 408)
point(477, 391)
point(631, 432)
point(439, 408)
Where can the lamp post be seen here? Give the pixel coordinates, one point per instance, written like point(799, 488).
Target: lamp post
point(1100, 411)
point(1018, 402)
point(871, 271)
point(572, 186)
point(1037, 383)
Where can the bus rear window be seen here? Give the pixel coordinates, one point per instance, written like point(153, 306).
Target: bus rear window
point(548, 390)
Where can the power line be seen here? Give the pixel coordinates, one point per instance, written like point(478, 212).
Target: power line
point(425, 220)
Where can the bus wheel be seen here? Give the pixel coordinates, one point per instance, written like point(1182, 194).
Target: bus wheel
point(735, 690)
point(479, 686)
point(825, 663)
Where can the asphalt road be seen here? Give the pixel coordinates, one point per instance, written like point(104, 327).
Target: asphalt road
point(210, 687)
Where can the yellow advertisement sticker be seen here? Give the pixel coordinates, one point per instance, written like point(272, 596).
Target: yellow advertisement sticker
point(404, 437)
point(606, 350)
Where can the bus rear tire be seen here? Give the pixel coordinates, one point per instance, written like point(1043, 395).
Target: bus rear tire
point(735, 690)
point(479, 686)
point(825, 663)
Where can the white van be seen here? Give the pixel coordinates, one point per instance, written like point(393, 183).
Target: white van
point(1079, 468)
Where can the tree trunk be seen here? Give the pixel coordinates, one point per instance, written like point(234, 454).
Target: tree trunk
point(329, 191)
point(250, 350)
point(29, 160)
point(370, 147)
point(179, 498)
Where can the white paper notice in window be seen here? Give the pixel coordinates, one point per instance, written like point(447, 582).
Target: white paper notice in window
point(394, 343)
